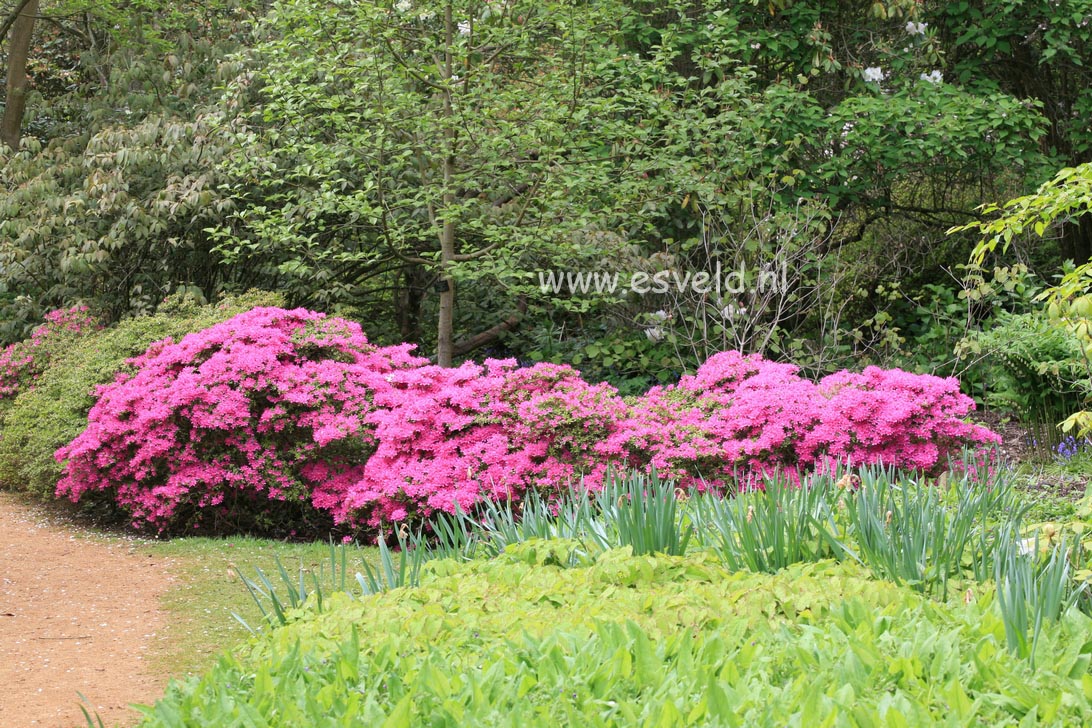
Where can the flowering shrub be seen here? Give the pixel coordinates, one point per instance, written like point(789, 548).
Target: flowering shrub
point(22, 362)
point(450, 437)
point(887, 415)
point(52, 413)
point(267, 407)
point(736, 415)
point(740, 416)
point(294, 408)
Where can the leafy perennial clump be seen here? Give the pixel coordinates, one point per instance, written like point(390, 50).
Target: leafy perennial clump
point(291, 406)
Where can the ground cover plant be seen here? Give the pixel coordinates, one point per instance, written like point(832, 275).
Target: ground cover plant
point(581, 629)
point(808, 644)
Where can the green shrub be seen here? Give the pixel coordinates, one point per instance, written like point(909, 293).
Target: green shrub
point(51, 414)
point(1043, 373)
point(627, 640)
point(22, 362)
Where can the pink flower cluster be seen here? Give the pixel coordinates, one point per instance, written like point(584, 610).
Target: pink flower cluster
point(22, 362)
point(451, 437)
point(278, 405)
point(269, 406)
point(742, 416)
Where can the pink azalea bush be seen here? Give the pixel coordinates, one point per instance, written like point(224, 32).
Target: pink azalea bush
point(22, 362)
point(451, 437)
point(895, 417)
point(735, 416)
point(291, 407)
point(268, 407)
point(739, 417)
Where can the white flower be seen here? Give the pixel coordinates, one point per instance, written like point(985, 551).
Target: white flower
point(916, 28)
point(464, 27)
point(933, 77)
point(659, 316)
point(403, 6)
point(654, 333)
point(873, 74)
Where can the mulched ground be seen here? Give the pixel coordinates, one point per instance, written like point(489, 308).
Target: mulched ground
point(1017, 447)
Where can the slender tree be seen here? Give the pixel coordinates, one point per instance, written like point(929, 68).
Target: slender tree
point(21, 22)
point(447, 149)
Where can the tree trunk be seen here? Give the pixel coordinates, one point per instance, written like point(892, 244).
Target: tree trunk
point(445, 341)
point(408, 299)
point(22, 29)
point(1077, 239)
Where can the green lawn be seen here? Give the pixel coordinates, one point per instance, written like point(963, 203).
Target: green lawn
point(209, 592)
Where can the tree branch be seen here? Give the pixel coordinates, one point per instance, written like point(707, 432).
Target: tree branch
point(409, 69)
point(463, 257)
point(415, 260)
point(10, 20)
point(478, 340)
point(931, 211)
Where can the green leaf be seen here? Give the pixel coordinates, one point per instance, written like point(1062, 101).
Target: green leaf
point(402, 715)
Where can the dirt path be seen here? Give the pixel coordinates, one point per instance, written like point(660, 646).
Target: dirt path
point(77, 614)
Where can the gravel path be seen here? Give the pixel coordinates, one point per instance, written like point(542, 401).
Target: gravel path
point(77, 615)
